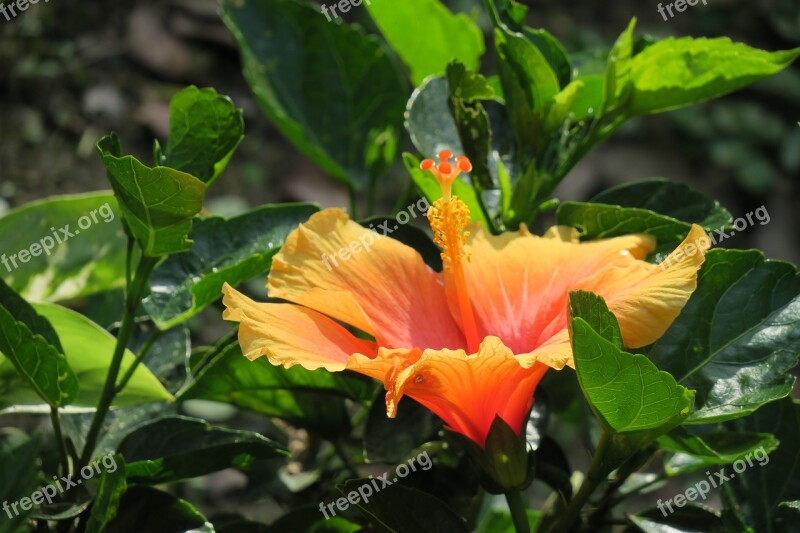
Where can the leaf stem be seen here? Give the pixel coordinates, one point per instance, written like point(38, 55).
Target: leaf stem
point(138, 361)
point(132, 300)
point(62, 446)
point(519, 514)
point(596, 475)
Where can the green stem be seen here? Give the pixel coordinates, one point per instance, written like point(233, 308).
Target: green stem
point(62, 446)
point(519, 514)
point(594, 477)
point(353, 203)
point(138, 361)
point(132, 300)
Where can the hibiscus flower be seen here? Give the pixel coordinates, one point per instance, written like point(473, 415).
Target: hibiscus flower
point(472, 342)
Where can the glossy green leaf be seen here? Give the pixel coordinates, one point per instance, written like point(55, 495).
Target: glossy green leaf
point(109, 493)
point(175, 448)
point(755, 494)
point(737, 337)
point(19, 463)
point(657, 206)
point(688, 519)
point(224, 250)
point(204, 130)
point(446, 36)
point(305, 397)
point(677, 72)
point(617, 85)
point(89, 366)
point(626, 391)
point(330, 89)
point(31, 344)
point(429, 121)
point(158, 203)
point(403, 509)
point(147, 509)
point(86, 261)
point(698, 452)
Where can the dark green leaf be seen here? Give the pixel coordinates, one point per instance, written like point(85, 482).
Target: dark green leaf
point(697, 452)
point(19, 464)
point(204, 130)
point(429, 121)
point(175, 448)
point(310, 519)
point(306, 397)
point(329, 88)
point(446, 36)
point(402, 509)
point(755, 494)
point(688, 519)
point(500, 521)
point(112, 486)
point(677, 72)
point(233, 250)
point(29, 341)
point(659, 207)
point(91, 261)
point(147, 509)
point(158, 203)
point(737, 337)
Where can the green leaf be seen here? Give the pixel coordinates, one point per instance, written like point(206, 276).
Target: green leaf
point(634, 401)
point(233, 250)
point(429, 121)
point(308, 518)
point(755, 494)
point(204, 130)
point(446, 36)
point(657, 206)
point(91, 261)
point(402, 509)
point(329, 88)
point(677, 72)
point(158, 203)
point(90, 367)
point(175, 448)
point(19, 463)
point(305, 397)
point(737, 337)
point(428, 185)
point(148, 509)
point(618, 70)
point(697, 452)
point(31, 343)
point(687, 519)
point(500, 521)
point(391, 440)
point(109, 493)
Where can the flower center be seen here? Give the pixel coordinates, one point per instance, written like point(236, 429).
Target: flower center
point(449, 217)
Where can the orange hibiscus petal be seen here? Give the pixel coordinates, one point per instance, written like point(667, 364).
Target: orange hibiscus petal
point(289, 335)
point(519, 282)
point(466, 391)
point(375, 283)
point(647, 298)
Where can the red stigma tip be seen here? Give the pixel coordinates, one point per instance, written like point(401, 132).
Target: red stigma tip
point(445, 167)
point(427, 164)
point(445, 154)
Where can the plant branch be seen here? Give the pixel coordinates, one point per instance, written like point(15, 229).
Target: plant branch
point(132, 300)
point(139, 359)
point(62, 446)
